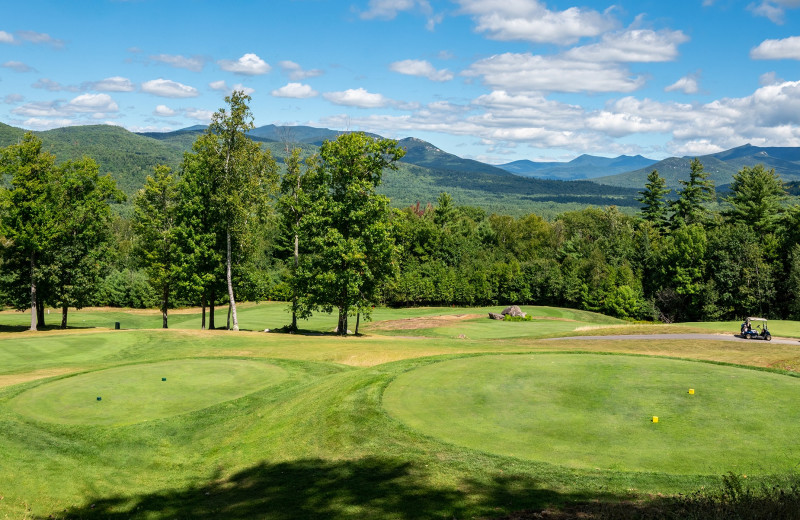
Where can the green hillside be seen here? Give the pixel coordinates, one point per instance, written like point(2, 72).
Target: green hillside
point(128, 157)
point(722, 166)
point(424, 173)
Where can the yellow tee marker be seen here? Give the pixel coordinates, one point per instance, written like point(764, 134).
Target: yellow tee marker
point(691, 391)
point(655, 419)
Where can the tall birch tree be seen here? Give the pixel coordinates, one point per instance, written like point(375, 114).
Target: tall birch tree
point(248, 176)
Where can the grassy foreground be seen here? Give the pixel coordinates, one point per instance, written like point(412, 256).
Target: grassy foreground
point(294, 426)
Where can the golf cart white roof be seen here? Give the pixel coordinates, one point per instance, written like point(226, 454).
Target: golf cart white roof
point(757, 319)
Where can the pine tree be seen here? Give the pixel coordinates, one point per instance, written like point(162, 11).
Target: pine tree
point(689, 208)
point(654, 207)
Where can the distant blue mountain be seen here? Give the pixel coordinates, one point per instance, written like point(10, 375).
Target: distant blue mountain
point(583, 167)
point(721, 166)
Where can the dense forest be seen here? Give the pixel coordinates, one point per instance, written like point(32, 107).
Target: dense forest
point(207, 229)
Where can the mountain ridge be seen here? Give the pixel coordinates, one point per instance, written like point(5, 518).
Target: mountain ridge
point(424, 172)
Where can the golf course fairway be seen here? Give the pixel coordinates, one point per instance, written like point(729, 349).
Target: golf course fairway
point(141, 392)
point(597, 412)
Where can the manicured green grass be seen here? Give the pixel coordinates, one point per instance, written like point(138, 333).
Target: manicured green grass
point(593, 411)
point(306, 433)
point(133, 393)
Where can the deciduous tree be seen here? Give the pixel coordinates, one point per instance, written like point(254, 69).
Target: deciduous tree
point(28, 222)
point(248, 176)
point(349, 227)
point(81, 245)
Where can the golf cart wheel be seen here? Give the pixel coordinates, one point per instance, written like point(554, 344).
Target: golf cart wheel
point(768, 337)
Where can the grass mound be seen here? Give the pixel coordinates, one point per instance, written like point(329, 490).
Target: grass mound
point(596, 411)
point(135, 393)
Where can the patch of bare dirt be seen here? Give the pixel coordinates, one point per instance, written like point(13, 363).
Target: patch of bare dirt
point(427, 322)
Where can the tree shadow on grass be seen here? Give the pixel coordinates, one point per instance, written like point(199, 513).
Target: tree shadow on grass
point(372, 487)
point(27, 328)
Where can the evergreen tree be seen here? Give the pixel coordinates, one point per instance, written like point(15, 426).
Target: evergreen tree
point(156, 226)
point(756, 198)
point(202, 233)
point(654, 207)
point(689, 208)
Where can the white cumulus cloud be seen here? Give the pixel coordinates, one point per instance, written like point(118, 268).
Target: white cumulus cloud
point(203, 116)
point(6, 37)
point(249, 65)
point(93, 103)
point(534, 73)
point(168, 88)
point(357, 98)
point(785, 49)
point(634, 45)
point(421, 68)
point(164, 111)
point(295, 90)
point(530, 20)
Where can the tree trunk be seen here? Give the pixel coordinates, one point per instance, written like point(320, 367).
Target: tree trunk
point(40, 314)
point(358, 321)
point(164, 306)
point(211, 302)
point(64, 310)
point(296, 265)
point(203, 304)
point(342, 327)
point(34, 313)
point(229, 276)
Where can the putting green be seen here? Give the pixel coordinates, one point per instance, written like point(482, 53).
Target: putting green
point(136, 393)
point(596, 411)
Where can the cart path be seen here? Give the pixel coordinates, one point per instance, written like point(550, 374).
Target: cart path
point(715, 337)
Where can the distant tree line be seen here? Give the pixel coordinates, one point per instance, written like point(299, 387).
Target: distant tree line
point(230, 224)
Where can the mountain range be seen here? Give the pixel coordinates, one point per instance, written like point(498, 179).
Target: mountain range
point(425, 171)
point(580, 168)
point(722, 166)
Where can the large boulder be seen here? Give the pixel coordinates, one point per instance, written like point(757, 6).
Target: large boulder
point(514, 311)
point(495, 316)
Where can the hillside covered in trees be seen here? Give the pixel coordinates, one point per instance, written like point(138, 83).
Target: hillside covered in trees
point(230, 217)
point(425, 172)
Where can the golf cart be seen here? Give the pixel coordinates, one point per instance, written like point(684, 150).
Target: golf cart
point(758, 330)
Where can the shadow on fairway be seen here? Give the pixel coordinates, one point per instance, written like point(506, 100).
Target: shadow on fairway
point(366, 488)
point(27, 328)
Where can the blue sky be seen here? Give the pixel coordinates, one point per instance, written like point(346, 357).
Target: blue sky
point(494, 80)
